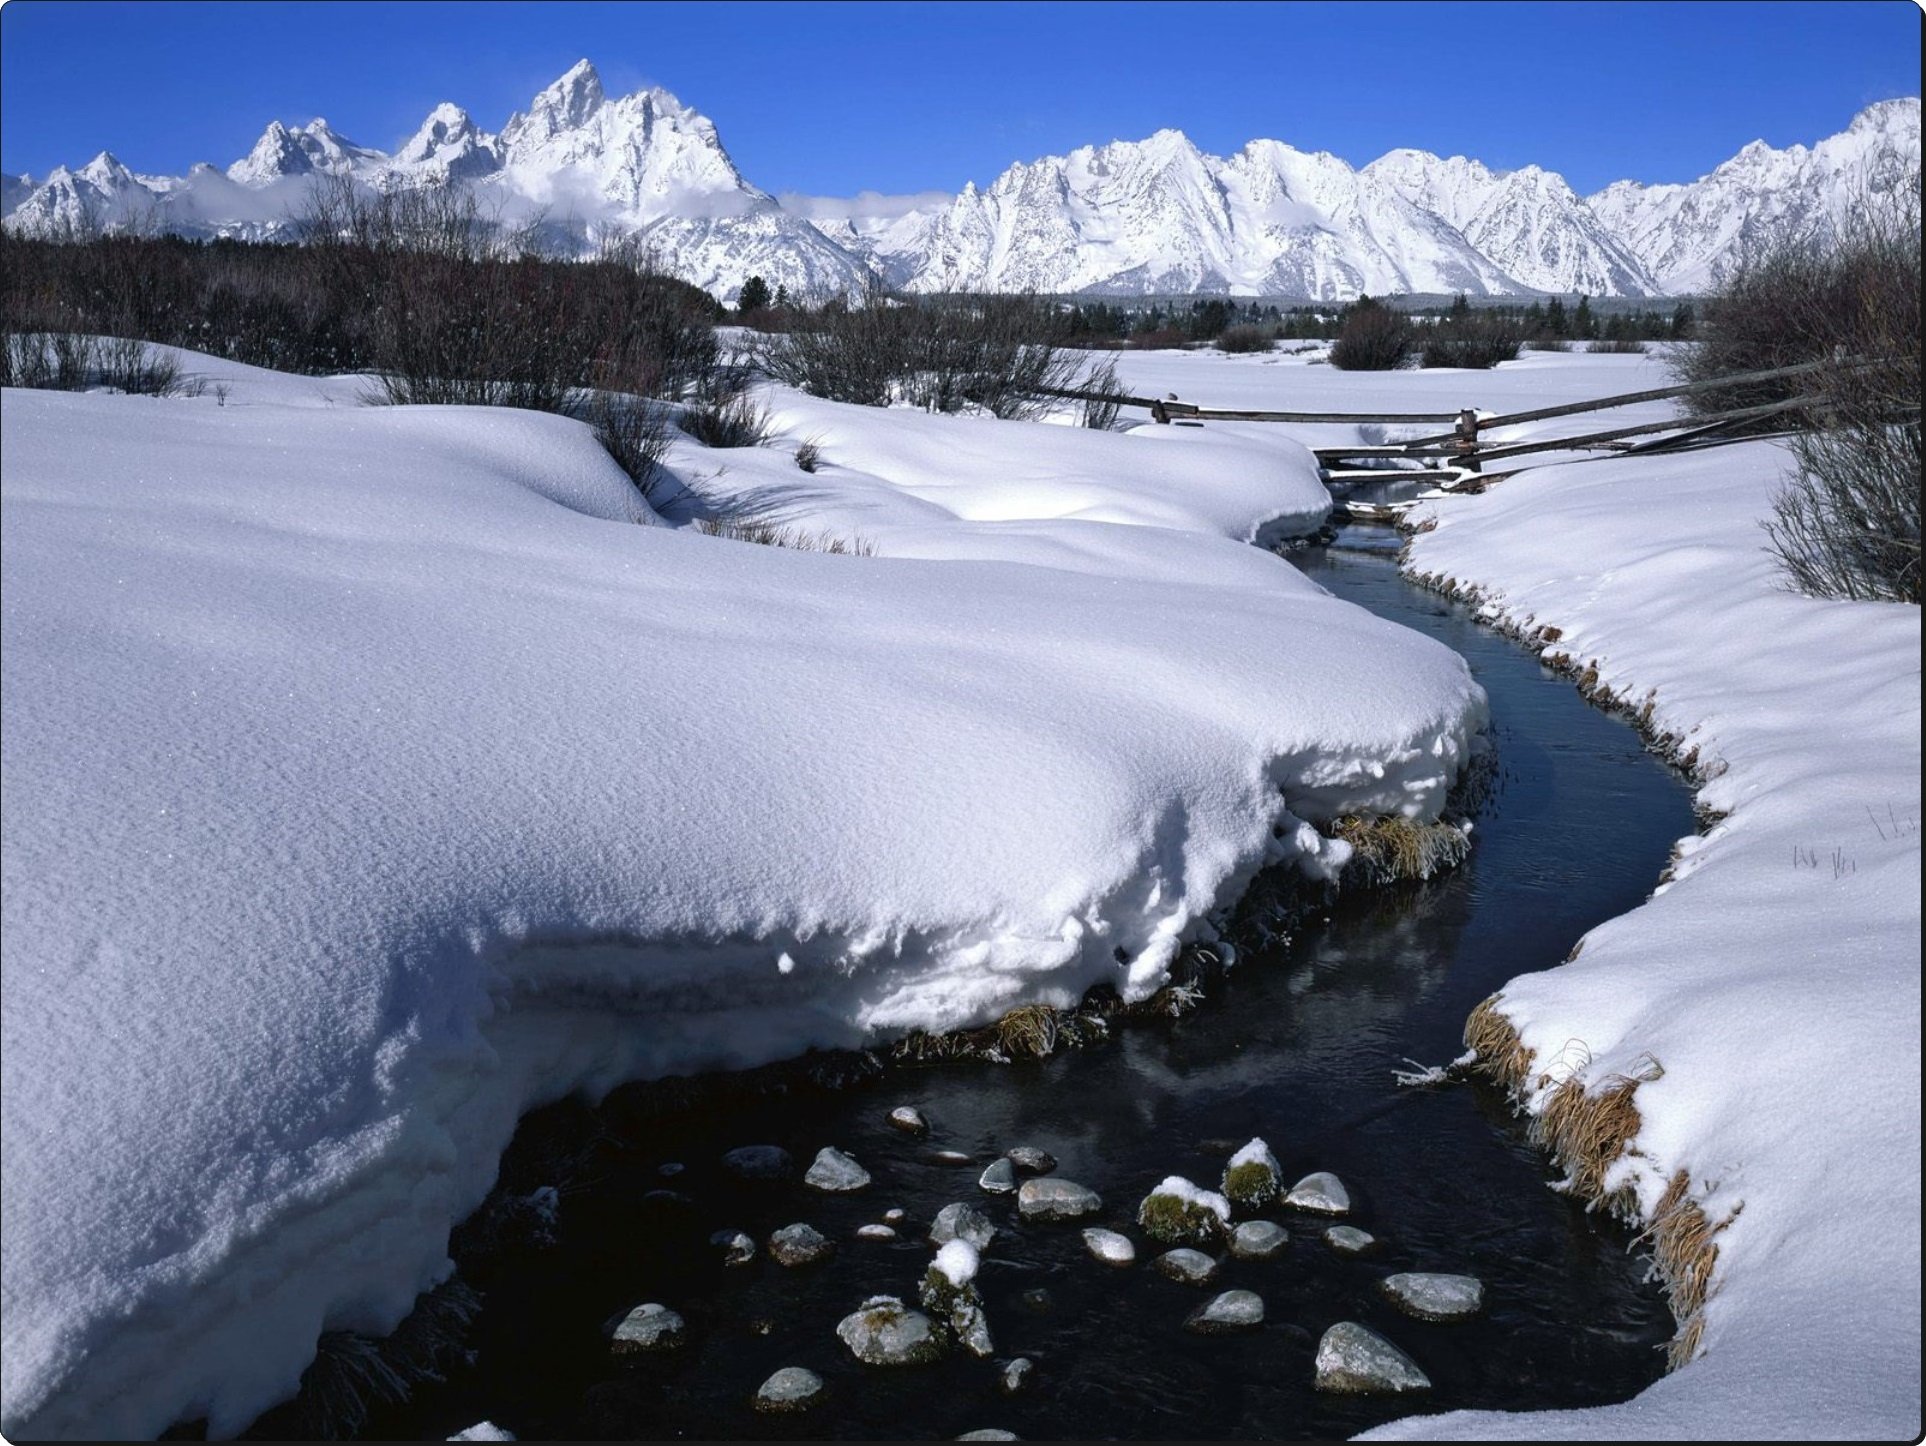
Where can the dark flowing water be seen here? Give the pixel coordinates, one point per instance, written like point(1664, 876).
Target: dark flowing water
point(1298, 1049)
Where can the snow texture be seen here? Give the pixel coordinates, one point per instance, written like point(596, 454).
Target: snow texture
point(374, 775)
point(957, 1260)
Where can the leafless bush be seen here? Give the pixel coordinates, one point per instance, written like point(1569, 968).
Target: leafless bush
point(449, 302)
point(1551, 343)
point(1469, 337)
point(1812, 296)
point(1163, 338)
point(738, 421)
point(70, 362)
point(1100, 381)
point(1372, 338)
point(1243, 339)
point(1847, 524)
point(809, 455)
point(1610, 347)
point(633, 431)
point(943, 354)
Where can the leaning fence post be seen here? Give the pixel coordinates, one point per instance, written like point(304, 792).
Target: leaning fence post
point(1468, 438)
point(1157, 412)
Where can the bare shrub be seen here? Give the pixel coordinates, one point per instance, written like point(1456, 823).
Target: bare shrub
point(353, 1375)
point(1610, 347)
point(1163, 338)
point(71, 362)
point(633, 431)
point(1551, 343)
point(736, 421)
point(1847, 524)
point(809, 456)
point(998, 354)
point(1242, 340)
point(1470, 337)
point(1372, 338)
point(131, 366)
point(1100, 382)
point(449, 302)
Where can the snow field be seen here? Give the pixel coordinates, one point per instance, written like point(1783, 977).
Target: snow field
point(374, 775)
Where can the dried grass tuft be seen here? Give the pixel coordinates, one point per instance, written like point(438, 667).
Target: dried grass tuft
point(353, 1374)
point(1586, 1132)
point(1501, 1053)
point(1397, 850)
point(1684, 1251)
point(1028, 1032)
point(771, 534)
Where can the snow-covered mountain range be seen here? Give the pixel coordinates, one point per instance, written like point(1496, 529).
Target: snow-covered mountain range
point(1127, 218)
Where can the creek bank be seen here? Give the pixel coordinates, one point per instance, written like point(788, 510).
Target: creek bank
point(1301, 987)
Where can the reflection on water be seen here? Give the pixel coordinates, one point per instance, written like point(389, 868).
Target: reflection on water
point(1297, 1048)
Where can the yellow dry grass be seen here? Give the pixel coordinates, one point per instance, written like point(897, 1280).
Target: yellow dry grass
point(1586, 1132)
point(1397, 850)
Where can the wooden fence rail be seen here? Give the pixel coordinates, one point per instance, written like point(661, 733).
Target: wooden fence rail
point(1461, 443)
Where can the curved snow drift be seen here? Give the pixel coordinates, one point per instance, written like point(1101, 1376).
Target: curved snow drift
point(375, 775)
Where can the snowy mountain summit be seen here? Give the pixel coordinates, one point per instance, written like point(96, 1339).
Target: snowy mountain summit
point(1125, 218)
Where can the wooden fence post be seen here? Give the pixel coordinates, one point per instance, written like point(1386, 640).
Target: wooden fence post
point(1467, 444)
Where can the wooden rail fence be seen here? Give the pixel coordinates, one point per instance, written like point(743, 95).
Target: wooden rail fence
point(1461, 446)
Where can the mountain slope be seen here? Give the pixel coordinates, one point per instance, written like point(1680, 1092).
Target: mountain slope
point(1126, 218)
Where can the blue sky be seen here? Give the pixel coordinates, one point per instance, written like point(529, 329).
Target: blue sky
point(833, 98)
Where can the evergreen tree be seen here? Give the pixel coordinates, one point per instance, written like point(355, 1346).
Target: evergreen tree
point(1555, 322)
point(754, 297)
point(1584, 324)
point(782, 297)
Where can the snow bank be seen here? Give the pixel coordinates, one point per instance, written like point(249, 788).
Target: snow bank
point(1776, 979)
point(374, 775)
point(904, 481)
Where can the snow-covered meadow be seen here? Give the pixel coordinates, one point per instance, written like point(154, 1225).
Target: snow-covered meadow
point(376, 774)
point(373, 775)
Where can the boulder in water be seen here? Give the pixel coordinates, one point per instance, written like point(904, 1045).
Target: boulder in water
point(1179, 1213)
point(885, 1332)
point(1187, 1266)
point(800, 1244)
point(1056, 1199)
point(1253, 1178)
point(1258, 1240)
point(1321, 1192)
point(1436, 1297)
point(1352, 1359)
point(791, 1389)
point(649, 1327)
point(1234, 1310)
point(835, 1172)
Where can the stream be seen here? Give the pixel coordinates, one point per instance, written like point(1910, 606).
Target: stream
point(1298, 1048)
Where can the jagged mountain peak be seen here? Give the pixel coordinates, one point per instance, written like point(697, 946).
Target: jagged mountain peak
point(566, 105)
point(1125, 217)
point(575, 96)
